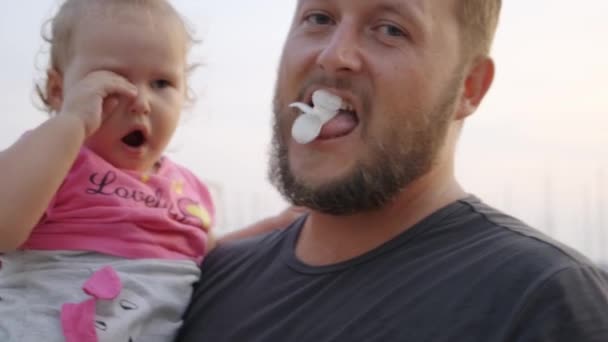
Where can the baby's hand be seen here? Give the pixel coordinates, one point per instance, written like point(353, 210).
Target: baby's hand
point(93, 97)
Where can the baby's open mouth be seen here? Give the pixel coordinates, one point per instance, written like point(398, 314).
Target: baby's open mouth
point(135, 139)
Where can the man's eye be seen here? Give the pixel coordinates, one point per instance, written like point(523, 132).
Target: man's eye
point(319, 19)
point(392, 30)
point(160, 84)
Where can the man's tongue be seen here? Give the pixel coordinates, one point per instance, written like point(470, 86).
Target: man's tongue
point(342, 124)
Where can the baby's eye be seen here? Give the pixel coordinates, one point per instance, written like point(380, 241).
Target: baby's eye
point(160, 84)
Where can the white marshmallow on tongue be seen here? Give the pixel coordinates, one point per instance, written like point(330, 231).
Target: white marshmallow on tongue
point(307, 126)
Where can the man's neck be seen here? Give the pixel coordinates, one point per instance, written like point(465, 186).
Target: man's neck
point(328, 239)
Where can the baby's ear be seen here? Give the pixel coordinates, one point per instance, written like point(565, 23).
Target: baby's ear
point(54, 90)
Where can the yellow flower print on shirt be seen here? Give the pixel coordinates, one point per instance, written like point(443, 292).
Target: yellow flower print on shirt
point(201, 213)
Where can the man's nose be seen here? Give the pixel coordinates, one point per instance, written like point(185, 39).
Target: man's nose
point(140, 104)
point(342, 50)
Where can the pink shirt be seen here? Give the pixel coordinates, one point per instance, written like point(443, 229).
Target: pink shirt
point(124, 213)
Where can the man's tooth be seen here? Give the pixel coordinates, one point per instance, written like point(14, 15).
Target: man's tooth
point(347, 107)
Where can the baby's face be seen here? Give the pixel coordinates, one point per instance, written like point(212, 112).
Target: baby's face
point(151, 54)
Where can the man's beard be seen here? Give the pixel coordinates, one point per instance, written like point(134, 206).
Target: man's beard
point(395, 159)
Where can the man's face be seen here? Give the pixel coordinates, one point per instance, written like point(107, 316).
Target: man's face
point(396, 63)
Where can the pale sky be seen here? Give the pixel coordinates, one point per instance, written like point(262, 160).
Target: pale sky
point(536, 148)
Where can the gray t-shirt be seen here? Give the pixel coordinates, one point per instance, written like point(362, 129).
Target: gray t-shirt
point(465, 273)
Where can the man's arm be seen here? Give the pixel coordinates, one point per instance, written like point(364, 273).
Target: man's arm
point(571, 305)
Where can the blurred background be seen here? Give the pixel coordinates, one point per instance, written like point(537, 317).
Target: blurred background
point(536, 148)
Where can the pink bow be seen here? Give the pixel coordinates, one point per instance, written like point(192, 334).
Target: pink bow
point(78, 319)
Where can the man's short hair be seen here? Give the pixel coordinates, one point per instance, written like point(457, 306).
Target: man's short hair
point(478, 20)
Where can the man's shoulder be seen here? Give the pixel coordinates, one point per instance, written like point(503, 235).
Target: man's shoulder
point(534, 277)
point(514, 240)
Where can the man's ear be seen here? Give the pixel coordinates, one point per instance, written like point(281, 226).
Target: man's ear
point(476, 85)
point(54, 90)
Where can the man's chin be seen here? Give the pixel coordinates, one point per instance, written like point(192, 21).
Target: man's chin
point(318, 181)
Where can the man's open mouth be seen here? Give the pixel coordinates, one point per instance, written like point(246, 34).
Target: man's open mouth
point(342, 124)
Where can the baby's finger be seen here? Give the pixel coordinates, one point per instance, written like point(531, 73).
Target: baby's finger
point(118, 85)
point(110, 83)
